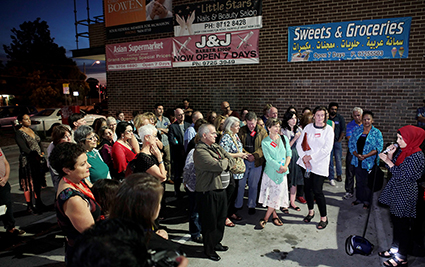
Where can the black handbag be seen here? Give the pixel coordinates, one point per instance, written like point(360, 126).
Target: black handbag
point(356, 244)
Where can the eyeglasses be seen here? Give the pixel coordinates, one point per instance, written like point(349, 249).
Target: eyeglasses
point(91, 138)
point(66, 137)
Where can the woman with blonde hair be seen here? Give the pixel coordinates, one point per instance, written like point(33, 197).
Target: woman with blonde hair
point(219, 127)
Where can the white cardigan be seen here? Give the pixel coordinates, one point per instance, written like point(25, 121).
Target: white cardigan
point(321, 141)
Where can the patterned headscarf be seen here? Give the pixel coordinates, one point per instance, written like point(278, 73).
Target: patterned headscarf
point(413, 136)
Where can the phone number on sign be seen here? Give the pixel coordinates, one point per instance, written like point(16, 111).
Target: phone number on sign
point(237, 22)
point(214, 62)
point(376, 53)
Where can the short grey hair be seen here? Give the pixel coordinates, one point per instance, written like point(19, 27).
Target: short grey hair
point(110, 120)
point(196, 116)
point(147, 129)
point(82, 132)
point(251, 116)
point(359, 110)
point(229, 122)
point(204, 129)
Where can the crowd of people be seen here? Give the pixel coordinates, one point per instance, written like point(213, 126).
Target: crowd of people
point(116, 170)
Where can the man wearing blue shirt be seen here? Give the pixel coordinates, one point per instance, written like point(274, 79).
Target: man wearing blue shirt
point(349, 169)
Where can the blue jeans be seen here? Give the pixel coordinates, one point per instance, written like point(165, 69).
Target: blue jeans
point(194, 223)
point(252, 174)
point(337, 151)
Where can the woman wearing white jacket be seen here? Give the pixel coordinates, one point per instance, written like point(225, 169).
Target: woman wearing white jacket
point(314, 156)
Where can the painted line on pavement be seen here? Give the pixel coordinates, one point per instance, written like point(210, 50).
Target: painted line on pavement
point(183, 239)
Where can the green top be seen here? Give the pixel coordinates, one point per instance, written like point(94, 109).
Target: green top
point(275, 154)
point(99, 169)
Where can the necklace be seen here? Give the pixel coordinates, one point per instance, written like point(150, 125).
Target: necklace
point(124, 143)
point(91, 154)
point(85, 190)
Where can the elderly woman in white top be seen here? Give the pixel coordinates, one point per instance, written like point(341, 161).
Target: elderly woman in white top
point(88, 138)
point(232, 144)
point(314, 149)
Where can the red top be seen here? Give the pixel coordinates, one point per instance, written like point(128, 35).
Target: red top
point(121, 156)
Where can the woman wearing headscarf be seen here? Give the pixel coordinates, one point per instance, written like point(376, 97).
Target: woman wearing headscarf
point(401, 191)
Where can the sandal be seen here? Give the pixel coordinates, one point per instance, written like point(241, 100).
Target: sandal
point(308, 218)
point(322, 224)
point(366, 206)
point(386, 254)
point(285, 210)
point(229, 223)
point(16, 232)
point(395, 260)
point(277, 222)
point(235, 217)
point(356, 202)
point(261, 224)
point(295, 208)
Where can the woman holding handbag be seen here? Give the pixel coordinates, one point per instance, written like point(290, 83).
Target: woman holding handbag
point(401, 191)
point(232, 144)
point(31, 175)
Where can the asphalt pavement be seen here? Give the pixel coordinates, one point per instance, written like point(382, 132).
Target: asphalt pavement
point(294, 244)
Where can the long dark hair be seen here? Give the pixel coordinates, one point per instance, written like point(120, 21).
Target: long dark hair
point(104, 191)
point(286, 117)
point(138, 199)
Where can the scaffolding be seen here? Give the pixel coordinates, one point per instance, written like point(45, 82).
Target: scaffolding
point(85, 22)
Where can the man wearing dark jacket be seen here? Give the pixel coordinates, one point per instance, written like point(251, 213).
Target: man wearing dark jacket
point(251, 136)
point(175, 138)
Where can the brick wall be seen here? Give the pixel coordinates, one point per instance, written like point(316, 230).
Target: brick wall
point(97, 34)
point(391, 88)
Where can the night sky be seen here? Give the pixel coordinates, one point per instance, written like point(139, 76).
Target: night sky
point(59, 15)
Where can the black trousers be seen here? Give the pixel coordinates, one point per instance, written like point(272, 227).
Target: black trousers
point(313, 189)
point(363, 192)
point(8, 219)
point(212, 207)
point(178, 157)
point(349, 173)
point(401, 228)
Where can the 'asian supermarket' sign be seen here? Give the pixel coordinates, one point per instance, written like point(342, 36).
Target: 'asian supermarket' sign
point(367, 39)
